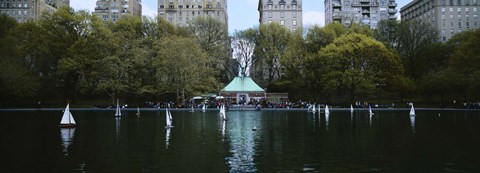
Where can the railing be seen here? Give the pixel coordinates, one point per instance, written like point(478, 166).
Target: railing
point(337, 17)
point(392, 11)
point(392, 4)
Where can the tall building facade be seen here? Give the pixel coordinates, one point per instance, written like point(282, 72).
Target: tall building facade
point(448, 16)
point(182, 12)
point(112, 10)
point(285, 12)
point(23, 10)
point(366, 12)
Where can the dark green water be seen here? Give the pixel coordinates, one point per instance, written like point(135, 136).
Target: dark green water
point(286, 141)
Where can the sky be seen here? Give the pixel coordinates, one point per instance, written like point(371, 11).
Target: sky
point(242, 14)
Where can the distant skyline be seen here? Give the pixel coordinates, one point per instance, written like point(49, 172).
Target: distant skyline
point(242, 14)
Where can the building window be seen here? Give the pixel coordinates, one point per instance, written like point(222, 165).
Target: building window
point(282, 7)
point(443, 9)
point(282, 14)
point(451, 9)
point(270, 7)
point(269, 21)
point(294, 23)
point(294, 7)
point(294, 14)
point(282, 22)
point(459, 2)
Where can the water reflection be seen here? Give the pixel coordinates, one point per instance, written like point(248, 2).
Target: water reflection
point(167, 137)
point(351, 117)
point(67, 138)
point(117, 129)
point(242, 141)
point(223, 129)
point(412, 123)
point(327, 119)
point(370, 119)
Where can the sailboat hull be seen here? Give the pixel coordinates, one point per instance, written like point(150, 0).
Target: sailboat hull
point(67, 125)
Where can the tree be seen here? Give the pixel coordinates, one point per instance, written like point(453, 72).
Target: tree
point(414, 36)
point(386, 33)
point(183, 71)
point(465, 62)
point(294, 62)
point(355, 60)
point(271, 44)
point(212, 35)
point(17, 81)
point(243, 53)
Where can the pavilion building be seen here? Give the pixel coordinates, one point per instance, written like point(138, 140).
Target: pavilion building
point(242, 90)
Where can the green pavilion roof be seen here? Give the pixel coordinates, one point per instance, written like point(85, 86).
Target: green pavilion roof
point(242, 84)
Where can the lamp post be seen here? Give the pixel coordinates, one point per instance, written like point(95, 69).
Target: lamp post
point(380, 86)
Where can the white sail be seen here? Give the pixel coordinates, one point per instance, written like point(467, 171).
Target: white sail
point(370, 110)
point(67, 118)
point(327, 111)
point(319, 109)
point(412, 111)
point(351, 108)
point(117, 110)
point(168, 118)
point(204, 108)
point(313, 108)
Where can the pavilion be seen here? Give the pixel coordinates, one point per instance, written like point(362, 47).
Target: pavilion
point(242, 89)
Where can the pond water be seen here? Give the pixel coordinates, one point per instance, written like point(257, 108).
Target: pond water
point(285, 141)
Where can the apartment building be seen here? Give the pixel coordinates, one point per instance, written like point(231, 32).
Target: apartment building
point(285, 12)
point(448, 16)
point(112, 10)
point(366, 12)
point(23, 10)
point(182, 12)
